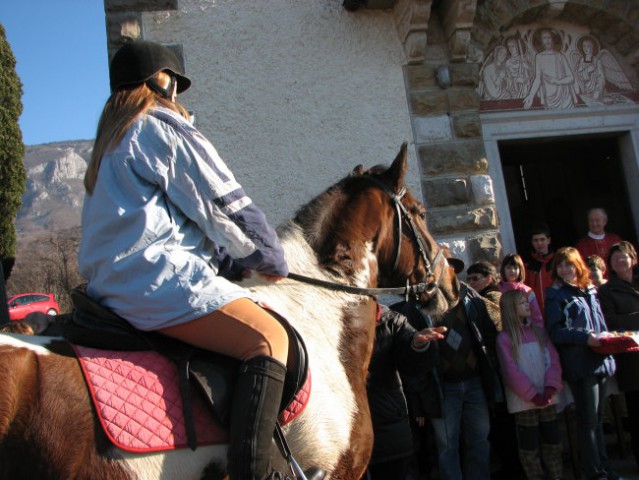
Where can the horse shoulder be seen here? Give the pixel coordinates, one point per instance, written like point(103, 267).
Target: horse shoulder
point(17, 377)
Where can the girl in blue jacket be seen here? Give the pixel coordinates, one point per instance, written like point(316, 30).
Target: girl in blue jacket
point(575, 324)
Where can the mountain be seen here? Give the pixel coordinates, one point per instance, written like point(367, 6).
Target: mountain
point(55, 192)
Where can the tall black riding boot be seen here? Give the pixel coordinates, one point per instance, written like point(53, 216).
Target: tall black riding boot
point(256, 401)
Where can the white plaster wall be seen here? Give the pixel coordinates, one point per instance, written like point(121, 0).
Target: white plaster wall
point(293, 94)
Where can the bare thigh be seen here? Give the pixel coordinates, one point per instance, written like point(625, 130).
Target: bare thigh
point(240, 329)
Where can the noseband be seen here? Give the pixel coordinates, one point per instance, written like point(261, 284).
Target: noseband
point(402, 216)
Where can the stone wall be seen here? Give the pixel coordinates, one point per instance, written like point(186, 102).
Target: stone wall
point(445, 120)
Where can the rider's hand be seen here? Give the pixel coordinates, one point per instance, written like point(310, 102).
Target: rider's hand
point(272, 278)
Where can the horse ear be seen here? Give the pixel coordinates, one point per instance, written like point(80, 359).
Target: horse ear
point(395, 174)
point(358, 171)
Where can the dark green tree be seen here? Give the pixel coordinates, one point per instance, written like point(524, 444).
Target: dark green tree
point(13, 176)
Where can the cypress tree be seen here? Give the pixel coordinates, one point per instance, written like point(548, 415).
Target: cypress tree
point(13, 176)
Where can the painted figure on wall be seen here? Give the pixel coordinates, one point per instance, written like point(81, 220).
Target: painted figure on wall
point(553, 82)
point(544, 67)
point(595, 68)
point(518, 68)
point(494, 84)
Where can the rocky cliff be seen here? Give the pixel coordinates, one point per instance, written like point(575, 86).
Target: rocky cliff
point(54, 194)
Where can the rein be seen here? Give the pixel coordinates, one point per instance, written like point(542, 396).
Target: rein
point(416, 289)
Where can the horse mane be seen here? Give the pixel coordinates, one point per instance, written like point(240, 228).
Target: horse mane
point(340, 254)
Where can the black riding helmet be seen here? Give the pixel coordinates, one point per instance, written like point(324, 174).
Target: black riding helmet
point(137, 62)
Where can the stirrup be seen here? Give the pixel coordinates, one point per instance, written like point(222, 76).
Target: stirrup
point(312, 473)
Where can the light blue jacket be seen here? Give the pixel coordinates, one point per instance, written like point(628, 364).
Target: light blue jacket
point(163, 204)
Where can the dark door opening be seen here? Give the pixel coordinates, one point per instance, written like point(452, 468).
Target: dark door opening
point(557, 181)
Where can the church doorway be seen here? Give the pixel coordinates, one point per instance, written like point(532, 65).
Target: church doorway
point(556, 180)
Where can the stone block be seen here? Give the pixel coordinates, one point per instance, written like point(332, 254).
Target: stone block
point(486, 246)
point(432, 129)
point(139, 5)
point(411, 15)
point(502, 12)
point(436, 53)
point(462, 220)
point(446, 192)
point(419, 77)
point(453, 157)
point(464, 74)
point(482, 189)
point(484, 19)
point(431, 102)
point(460, 99)
point(122, 27)
point(480, 38)
point(415, 47)
point(458, 45)
point(466, 125)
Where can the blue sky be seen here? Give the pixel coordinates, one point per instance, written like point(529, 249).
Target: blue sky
point(60, 49)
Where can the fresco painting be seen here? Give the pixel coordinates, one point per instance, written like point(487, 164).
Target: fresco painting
point(551, 68)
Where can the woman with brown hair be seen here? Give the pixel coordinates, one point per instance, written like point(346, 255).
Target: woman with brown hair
point(620, 303)
point(575, 323)
point(165, 224)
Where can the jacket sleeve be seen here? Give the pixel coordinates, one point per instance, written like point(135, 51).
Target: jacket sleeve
point(408, 360)
point(201, 185)
point(553, 373)
point(560, 328)
point(512, 376)
point(615, 320)
point(535, 312)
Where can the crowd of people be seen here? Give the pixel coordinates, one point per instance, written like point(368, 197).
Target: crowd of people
point(524, 343)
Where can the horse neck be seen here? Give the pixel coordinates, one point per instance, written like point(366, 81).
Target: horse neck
point(323, 225)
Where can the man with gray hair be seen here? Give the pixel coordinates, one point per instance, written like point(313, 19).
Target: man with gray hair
point(597, 241)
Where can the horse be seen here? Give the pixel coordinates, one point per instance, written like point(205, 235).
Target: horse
point(365, 234)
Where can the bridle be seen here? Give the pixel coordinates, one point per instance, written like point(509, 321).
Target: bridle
point(402, 217)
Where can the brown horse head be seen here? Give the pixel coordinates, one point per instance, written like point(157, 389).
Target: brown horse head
point(378, 235)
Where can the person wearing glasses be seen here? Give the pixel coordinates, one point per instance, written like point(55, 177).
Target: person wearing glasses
point(483, 277)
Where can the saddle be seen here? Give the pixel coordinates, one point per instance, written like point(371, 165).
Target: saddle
point(214, 374)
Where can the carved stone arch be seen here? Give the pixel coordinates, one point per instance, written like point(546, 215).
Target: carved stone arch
point(615, 24)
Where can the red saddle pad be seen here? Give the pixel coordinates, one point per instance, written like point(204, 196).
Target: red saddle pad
point(138, 402)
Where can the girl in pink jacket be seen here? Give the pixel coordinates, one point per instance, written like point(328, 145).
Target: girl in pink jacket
point(513, 275)
point(531, 373)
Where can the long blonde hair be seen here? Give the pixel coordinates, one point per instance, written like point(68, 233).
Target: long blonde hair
point(512, 323)
point(122, 108)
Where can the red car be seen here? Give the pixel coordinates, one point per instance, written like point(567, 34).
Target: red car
point(23, 304)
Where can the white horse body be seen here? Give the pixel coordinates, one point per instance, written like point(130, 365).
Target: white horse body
point(322, 431)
